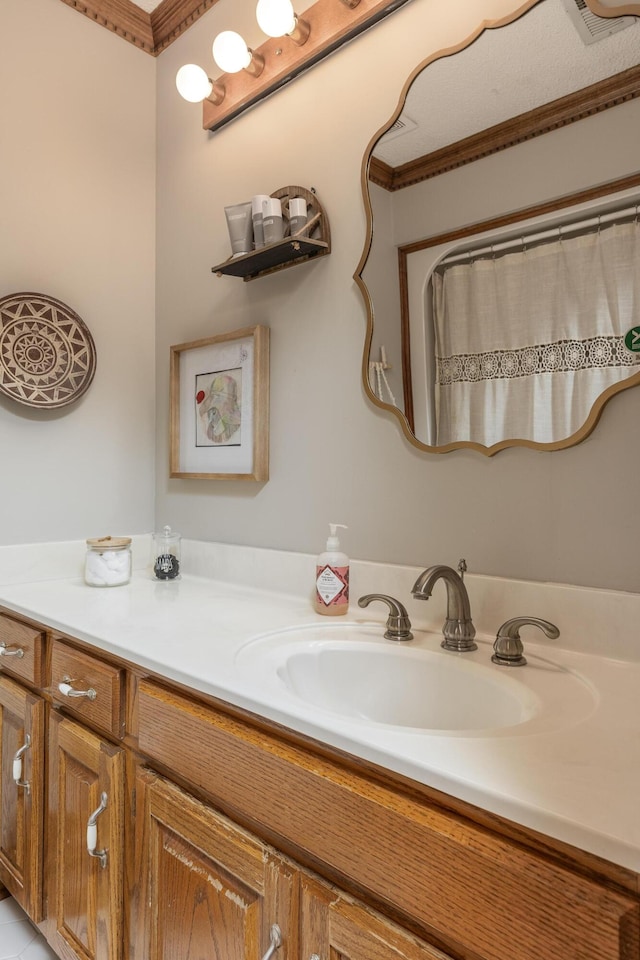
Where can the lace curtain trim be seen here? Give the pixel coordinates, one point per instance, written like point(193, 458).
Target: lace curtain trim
point(558, 357)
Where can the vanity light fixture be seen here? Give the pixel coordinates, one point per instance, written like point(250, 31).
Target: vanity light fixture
point(232, 54)
point(195, 86)
point(251, 75)
point(277, 18)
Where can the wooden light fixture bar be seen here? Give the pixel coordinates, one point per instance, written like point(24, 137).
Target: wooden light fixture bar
point(332, 23)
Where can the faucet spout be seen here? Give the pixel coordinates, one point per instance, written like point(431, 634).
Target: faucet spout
point(458, 631)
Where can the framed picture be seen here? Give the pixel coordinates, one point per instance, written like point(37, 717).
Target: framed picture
point(219, 422)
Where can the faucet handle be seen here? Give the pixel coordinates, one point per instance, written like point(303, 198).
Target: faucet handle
point(398, 623)
point(508, 647)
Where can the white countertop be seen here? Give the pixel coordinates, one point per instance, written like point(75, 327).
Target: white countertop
point(577, 781)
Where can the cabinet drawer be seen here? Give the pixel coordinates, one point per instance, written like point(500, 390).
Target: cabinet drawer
point(427, 863)
point(22, 650)
point(88, 687)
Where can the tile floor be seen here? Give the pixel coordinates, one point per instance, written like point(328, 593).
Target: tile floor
point(19, 939)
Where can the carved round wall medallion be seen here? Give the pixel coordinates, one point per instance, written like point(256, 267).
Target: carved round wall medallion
point(47, 353)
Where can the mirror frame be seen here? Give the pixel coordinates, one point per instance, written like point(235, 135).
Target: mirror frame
point(572, 108)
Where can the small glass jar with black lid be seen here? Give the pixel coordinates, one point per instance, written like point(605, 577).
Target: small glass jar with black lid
point(166, 559)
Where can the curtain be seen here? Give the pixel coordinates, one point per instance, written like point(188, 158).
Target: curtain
point(527, 341)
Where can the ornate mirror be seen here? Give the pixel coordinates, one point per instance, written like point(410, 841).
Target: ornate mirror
point(501, 271)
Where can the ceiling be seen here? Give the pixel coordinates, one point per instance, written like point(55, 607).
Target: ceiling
point(507, 72)
point(556, 64)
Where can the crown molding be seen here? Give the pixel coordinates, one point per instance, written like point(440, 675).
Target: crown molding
point(172, 17)
point(155, 31)
point(149, 32)
point(583, 103)
point(614, 8)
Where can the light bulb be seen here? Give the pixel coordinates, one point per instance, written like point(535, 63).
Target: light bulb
point(193, 84)
point(230, 52)
point(275, 17)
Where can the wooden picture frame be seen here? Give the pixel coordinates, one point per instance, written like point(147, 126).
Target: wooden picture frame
point(219, 414)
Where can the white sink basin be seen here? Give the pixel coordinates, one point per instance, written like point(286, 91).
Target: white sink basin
point(350, 671)
point(406, 688)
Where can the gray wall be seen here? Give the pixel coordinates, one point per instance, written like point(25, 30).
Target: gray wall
point(77, 195)
point(564, 516)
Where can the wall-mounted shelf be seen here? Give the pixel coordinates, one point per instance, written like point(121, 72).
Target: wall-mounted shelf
point(311, 242)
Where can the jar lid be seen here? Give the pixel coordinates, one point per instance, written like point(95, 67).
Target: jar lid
point(167, 534)
point(109, 543)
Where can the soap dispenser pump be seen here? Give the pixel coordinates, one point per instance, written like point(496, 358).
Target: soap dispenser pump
point(332, 577)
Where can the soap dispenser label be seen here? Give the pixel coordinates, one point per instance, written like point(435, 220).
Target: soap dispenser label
point(332, 584)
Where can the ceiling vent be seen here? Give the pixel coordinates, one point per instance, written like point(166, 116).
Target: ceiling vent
point(403, 124)
point(590, 27)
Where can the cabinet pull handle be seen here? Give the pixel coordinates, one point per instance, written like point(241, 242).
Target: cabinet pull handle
point(92, 832)
point(275, 939)
point(17, 764)
point(6, 651)
point(67, 690)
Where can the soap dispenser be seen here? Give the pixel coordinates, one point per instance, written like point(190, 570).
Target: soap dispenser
point(332, 577)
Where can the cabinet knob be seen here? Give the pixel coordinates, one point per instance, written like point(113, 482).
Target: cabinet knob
point(17, 764)
point(6, 651)
point(275, 940)
point(92, 832)
point(67, 690)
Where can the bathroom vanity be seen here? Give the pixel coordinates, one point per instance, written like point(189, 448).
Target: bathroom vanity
point(156, 805)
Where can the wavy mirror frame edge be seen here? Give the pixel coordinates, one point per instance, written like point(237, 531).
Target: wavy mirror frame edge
point(630, 9)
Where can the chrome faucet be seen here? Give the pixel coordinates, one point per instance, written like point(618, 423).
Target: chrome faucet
point(458, 630)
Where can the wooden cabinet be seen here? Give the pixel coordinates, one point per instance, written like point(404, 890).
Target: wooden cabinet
point(207, 887)
point(22, 715)
point(438, 869)
point(334, 926)
point(211, 826)
point(210, 889)
point(76, 897)
point(85, 893)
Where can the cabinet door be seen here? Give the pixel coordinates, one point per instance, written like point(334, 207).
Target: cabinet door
point(86, 782)
point(334, 927)
point(21, 794)
point(207, 887)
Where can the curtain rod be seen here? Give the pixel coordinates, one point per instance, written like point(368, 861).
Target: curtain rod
point(553, 233)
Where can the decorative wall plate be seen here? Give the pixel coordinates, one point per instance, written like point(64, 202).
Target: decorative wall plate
point(47, 353)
